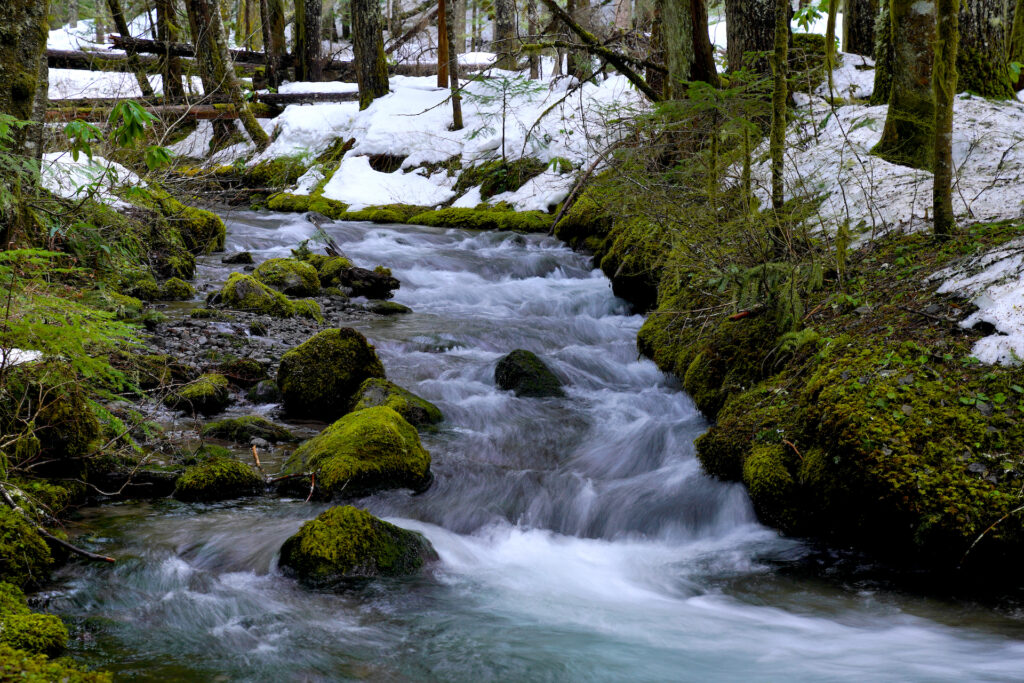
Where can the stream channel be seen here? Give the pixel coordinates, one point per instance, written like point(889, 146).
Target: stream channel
point(579, 539)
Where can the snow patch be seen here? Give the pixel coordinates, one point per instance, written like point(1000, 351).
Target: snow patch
point(359, 186)
point(540, 193)
point(71, 179)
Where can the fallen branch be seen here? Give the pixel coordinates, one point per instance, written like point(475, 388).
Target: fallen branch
point(46, 534)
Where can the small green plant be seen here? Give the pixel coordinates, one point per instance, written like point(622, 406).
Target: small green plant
point(504, 90)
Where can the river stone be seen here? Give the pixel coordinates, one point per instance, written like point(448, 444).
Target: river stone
point(345, 544)
point(246, 429)
point(264, 392)
point(373, 284)
point(289, 276)
point(380, 392)
point(319, 378)
point(527, 375)
point(208, 395)
point(366, 451)
point(218, 478)
point(239, 257)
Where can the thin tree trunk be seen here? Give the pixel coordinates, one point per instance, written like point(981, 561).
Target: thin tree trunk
point(780, 96)
point(442, 43)
point(307, 40)
point(944, 86)
point(885, 56)
point(505, 33)
point(459, 27)
point(623, 15)
point(73, 12)
point(830, 44)
point(531, 27)
point(167, 31)
point(100, 24)
point(453, 66)
point(704, 67)
point(750, 34)
point(859, 26)
point(122, 27)
point(981, 60)
point(580, 64)
point(910, 122)
point(274, 41)
point(368, 45)
point(1015, 41)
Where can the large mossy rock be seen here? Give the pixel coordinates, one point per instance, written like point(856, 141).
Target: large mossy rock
point(527, 375)
point(289, 276)
point(26, 630)
point(345, 544)
point(328, 267)
point(373, 284)
point(218, 478)
point(208, 395)
point(319, 378)
point(25, 558)
point(245, 429)
point(380, 392)
point(19, 665)
point(246, 293)
point(365, 451)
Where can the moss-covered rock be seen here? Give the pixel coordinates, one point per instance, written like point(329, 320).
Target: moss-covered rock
point(202, 231)
point(141, 286)
point(373, 284)
point(380, 392)
point(498, 176)
point(24, 556)
point(264, 392)
point(243, 372)
point(176, 289)
point(208, 395)
point(289, 276)
point(246, 293)
point(238, 258)
point(18, 665)
point(345, 544)
point(283, 201)
point(25, 630)
point(485, 219)
point(329, 268)
point(320, 377)
point(217, 478)
point(245, 429)
point(387, 308)
point(527, 375)
point(365, 451)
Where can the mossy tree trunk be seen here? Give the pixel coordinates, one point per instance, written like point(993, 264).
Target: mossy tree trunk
point(750, 34)
point(1015, 39)
point(167, 31)
point(981, 60)
point(830, 43)
point(944, 84)
point(859, 26)
point(505, 33)
point(686, 46)
point(532, 28)
point(133, 60)
point(884, 56)
point(780, 96)
point(307, 40)
point(274, 45)
point(910, 122)
point(368, 45)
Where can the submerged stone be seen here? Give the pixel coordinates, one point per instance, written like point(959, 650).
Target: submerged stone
point(524, 373)
point(245, 429)
point(239, 257)
point(345, 544)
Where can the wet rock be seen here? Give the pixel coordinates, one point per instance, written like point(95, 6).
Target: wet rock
point(380, 392)
point(245, 429)
point(524, 373)
point(345, 544)
point(239, 257)
point(265, 392)
point(244, 372)
point(207, 395)
point(289, 276)
point(373, 284)
point(387, 308)
point(320, 377)
point(246, 293)
point(218, 478)
point(366, 451)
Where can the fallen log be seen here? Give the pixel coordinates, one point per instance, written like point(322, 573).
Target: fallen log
point(82, 60)
point(284, 99)
point(206, 112)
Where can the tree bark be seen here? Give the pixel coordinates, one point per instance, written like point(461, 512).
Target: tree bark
point(623, 15)
point(780, 97)
point(884, 55)
point(368, 45)
point(981, 60)
point(442, 44)
point(122, 27)
point(910, 122)
point(532, 28)
point(685, 45)
point(505, 33)
point(170, 65)
point(704, 67)
point(307, 40)
point(944, 86)
point(859, 26)
point(459, 27)
point(453, 66)
point(750, 34)
point(275, 44)
point(830, 44)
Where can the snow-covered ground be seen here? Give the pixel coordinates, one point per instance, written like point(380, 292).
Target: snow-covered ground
point(66, 177)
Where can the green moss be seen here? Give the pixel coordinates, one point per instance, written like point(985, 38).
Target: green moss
point(201, 231)
point(387, 308)
point(320, 377)
point(380, 392)
point(527, 375)
point(283, 201)
point(122, 306)
point(25, 558)
point(35, 633)
point(587, 222)
point(245, 429)
point(330, 268)
point(246, 293)
point(142, 287)
point(18, 665)
point(389, 213)
point(496, 177)
point(176, 289)
point(278, 172)
point(365, 451)
point(345, 543)
point(485, 219)
point(289, 276)
point(772, 488)
point(243, 371)
point(217, 478)
point(207, 395)
point(328, 207)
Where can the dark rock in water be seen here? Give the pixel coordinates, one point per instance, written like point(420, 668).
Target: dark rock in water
point(380, 392)
point(527, 375)
point(265, 392)
point(241, 257)
point(207, 395)
point(345, 544)
point(244, 372)
point(369, 450)
point(246, 429)
point(318, 219)
point(373, 284)
point(218, 478)
point(387, 307)
point(319, 378)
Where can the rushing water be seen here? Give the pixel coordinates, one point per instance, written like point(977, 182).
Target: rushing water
point(578, 538)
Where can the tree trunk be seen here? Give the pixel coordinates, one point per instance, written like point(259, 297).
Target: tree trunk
point(273, 41)
point(830, 44)
point(459, 27)
point(100, 24)
point(442, 43)
point(307, 40)
point(676, 44)
point(453, 65)
point(704, 67)
point(532, 28)
point(368, 45)
point(780, 96)
point(623, 15)
point(859, 26)
point(505, 33)
point(910, 122)
point(122, 27)
point(167, 31)
point(944, 86)
point(580, 63)
point(885, 55)
point(981, 62)
point(73, 12)
point(750, 34)
point(1015, 39)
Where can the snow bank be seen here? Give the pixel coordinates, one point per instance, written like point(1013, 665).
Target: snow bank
point(333, 87)
point(71, 179)
point(540, 193)
point(829, 156)
point(308, 130)
point(853, 79)
point(994, 282)
point(358, 185)
point(11, 357)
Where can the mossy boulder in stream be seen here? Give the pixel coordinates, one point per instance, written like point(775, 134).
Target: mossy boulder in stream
point(24, 556)
point(218, 478)
point(245, 429)
point(246, 293)
point(328, 268)
point(345, 544)
point(289, 276)
point(320, 377)
point(26, 630)
point(19, 665)
point(369, 450)
point(380, 392)
point(176, 289)
point(524, 373)
point(207, 395)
